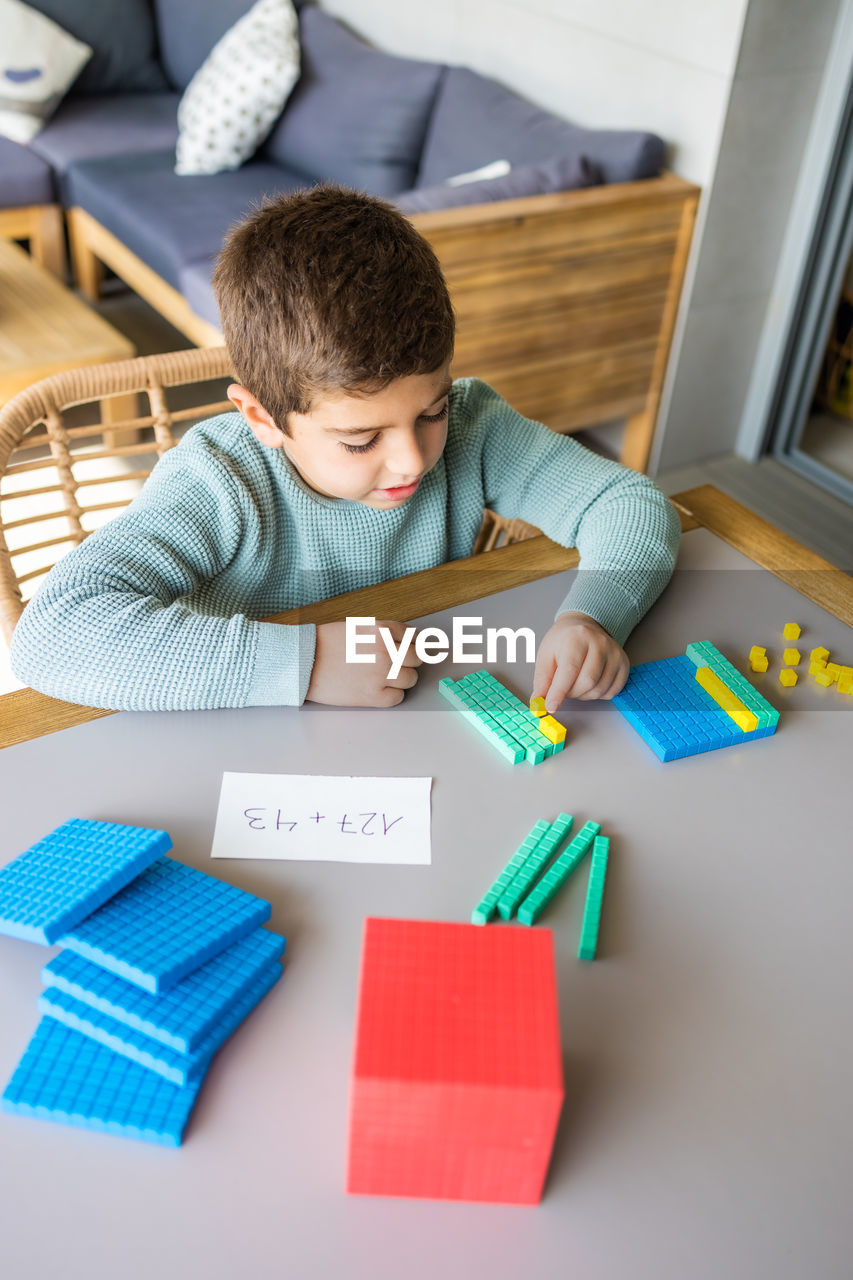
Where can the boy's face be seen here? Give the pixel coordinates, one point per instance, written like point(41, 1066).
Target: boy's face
point(374, 449)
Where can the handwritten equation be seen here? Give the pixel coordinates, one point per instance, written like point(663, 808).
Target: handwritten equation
point(322, 818)
point(366, 824)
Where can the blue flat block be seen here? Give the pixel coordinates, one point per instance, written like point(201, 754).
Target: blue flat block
point(167, 923)
point(671, 711)
point(183, 1016)
point(67, 1077)
point(63, 878)
point(180, 1068)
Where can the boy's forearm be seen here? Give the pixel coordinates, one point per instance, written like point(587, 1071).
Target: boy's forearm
point(123, 652)
point(619, 581)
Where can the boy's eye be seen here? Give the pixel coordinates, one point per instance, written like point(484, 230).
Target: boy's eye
point(359, 448)
point(425, 417)
point(436, 417)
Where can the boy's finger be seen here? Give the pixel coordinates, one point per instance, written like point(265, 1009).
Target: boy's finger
point(397, 631)
point(589, 675)
point(543, 674)
point(617, 684)
point(561, 687)
point(611, 681)
point(407, 677)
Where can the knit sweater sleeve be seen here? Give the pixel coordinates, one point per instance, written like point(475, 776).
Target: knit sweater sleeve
point(626, 530)
point(109, 626)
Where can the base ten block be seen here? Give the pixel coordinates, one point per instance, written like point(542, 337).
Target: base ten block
point(457, 1078)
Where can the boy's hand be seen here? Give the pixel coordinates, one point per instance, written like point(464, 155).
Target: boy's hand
point(349, 684)
point(578, 659)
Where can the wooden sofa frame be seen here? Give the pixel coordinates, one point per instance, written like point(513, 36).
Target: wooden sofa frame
point(565, 303)
point(43, 227)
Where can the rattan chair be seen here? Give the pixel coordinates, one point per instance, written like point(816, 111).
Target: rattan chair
point(76, 447)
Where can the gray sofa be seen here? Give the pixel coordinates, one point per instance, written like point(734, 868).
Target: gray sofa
point(393, 126)
point(358, 116)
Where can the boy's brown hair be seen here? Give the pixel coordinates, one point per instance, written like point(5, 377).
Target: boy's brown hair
point(329, 290)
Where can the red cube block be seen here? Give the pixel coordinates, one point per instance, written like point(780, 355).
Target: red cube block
point(457, 1079)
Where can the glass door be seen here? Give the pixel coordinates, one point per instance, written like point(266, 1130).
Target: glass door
point(812, 428)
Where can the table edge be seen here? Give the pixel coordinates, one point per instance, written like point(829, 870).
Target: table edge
point(26, 714)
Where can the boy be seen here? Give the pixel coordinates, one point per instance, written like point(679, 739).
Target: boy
point(353, 459)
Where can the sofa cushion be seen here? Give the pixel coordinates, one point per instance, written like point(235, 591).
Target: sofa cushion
point(123, 40)
point(238, 92)
point(196, 283)
point(165, 219)
point(24, 177)
point(90, 128)
point(477, 120)
point(189, 30)
point(565, 173)
point(40, 62)
point(357, 116)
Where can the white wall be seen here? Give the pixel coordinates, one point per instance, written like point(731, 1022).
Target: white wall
point(730, 84)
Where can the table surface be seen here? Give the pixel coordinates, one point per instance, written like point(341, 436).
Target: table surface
point(707, 1128)
point(44, 327)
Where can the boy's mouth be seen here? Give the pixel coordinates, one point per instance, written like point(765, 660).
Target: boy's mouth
point(401, 491)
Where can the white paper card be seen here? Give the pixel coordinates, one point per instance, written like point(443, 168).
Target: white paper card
point(323, 819)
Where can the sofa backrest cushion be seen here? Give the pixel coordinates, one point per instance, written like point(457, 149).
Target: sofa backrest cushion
point(477, 121)
point(123, 40)
point(357, 116)
point(565, 173)
point(188, 29)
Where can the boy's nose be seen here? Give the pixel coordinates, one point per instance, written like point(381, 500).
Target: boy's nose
point(405, 457)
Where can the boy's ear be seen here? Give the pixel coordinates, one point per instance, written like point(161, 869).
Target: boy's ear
point(262, 425)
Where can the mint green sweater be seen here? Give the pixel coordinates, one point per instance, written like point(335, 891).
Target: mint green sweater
point(159, 609)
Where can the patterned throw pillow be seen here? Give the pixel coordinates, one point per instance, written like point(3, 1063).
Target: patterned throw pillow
point(238, 93)
point(38, 64)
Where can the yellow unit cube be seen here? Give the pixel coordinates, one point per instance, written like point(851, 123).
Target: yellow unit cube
point(833, 669)
point(819, 654)
point(824, 678)
point(552, 729)
point(845, 680)
point(537, 706)
point(792, 657)
point(723, 696)
point(815, 667)
point(791, 631)
point(759, 664)
point(757, 651)
point(787, 676)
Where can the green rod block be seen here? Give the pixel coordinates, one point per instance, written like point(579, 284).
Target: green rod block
point(705, 654)
point(485, 908)
point(459, 699)
point(530, 869)
point(539, 897)
point(594, 897)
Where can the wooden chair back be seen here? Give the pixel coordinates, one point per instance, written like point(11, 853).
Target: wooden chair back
point(76, 448)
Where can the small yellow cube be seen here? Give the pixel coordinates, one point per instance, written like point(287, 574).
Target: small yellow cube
point(845, 680)
point(833, 669)
point(759, 664)
point(792, 657)
point(815, 667)
point(819, 655)
point(791, 631)
point(537, 706)
point(757, 651)
point(552, 729)
point(824, 678)
point(787, 676)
